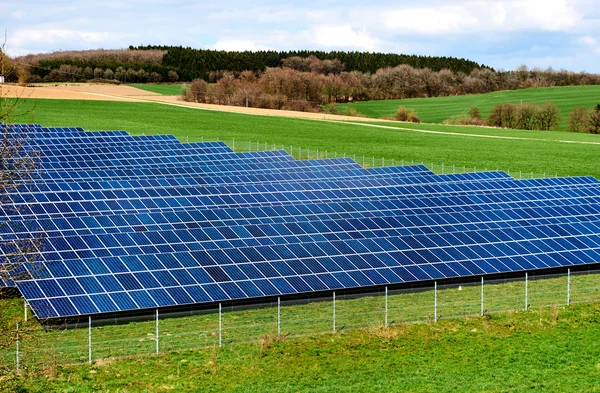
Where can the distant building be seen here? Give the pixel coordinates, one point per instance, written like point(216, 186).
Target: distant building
point(1, 78)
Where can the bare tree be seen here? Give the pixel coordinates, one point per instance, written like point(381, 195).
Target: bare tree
point(578, 119)
point(18, 161)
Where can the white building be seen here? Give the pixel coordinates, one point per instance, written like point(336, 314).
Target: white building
point(1, 78)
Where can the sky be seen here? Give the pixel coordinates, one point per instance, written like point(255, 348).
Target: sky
point(562, 34)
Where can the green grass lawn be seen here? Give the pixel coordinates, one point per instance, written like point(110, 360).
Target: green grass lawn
point(533, 151)
point(547, 349)
point(164, 89)
point(438, 109)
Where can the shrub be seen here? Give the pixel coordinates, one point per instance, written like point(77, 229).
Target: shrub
point(332, 109)
point(402, 114)
point(578, 120)
point(594, 121)
point(354, 113)
point(548, 117)
point(196, 92)
point(474, 113)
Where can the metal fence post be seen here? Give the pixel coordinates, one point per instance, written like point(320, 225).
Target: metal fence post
point(25, 308)
point(568, 286)
point(220, 327)
point(90, 339)
point(481, 312)
point(435, 301)
point(333, 311)
point(17, 353)
point(526, 292)
point(157, 333)
point(442, 168)
point(386, 306)
point(278, 316)
point(233, 144)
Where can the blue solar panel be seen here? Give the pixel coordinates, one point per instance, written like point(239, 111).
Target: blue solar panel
point(144, 222)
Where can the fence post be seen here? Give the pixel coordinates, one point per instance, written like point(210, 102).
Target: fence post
point(442, 168)
point(481, 313)
point(363, 161)
point(333, 311)
point(157, 335)
point(278, 317)
point(233, 144)
point(308, 153)
point(220, 327)
point(526, 292)
point(435, 301)
point(90, 339)
point(373, 166)
point(386, 306)
point(568, 286)
point(25, 308)
point(17, 353)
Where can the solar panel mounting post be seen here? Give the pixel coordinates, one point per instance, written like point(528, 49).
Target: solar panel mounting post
point(386, 306)
point(481, 312)
point(526, 292)
point(568, 286)
point(278, 317)
point(333, 311)
point(17, 343)
point(435, 301)
point(156, 334)
point(90, 339)
point(220, 327)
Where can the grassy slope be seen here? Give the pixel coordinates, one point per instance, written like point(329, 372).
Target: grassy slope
point(554, 350)
point(165, 90)
point(436, 110)
point(540, 153)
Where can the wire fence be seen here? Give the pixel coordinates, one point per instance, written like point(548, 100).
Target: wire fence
point(163, 332)
point(307, 153)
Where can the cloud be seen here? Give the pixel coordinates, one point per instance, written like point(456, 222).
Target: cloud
point(344, 36)
point(238, 45)
point(480, 16)
point(589, 42)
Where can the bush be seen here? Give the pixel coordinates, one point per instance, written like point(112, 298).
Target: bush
point(403, 114)
point(594, 121)
point(548, 117)
point(578, 120)
point(332, 109)
point(196, 92)
point(474, 113)
point(354, 113)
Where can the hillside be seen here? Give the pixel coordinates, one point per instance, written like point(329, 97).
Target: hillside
point(438, 109)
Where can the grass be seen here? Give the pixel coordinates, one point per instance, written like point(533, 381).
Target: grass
point(163, 89)
point(438, 109)
point(561, 153)
point(546, 349)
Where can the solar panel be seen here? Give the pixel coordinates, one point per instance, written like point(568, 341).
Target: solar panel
point(145, 222)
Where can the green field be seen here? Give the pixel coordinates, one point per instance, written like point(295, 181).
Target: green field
point(438, 109)
point(548, 350)
point(552, 153)
point(164, 89)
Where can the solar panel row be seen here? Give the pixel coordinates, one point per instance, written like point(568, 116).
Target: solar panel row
point(144, 222)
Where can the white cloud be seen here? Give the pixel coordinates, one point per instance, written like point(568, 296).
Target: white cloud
point(238, 45)
point(591, 43)
point(483, 16)
point(344, 36)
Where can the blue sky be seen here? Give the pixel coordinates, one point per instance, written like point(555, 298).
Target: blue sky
point(500, 33)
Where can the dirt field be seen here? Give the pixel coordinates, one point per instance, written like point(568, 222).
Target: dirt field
point(86, 91)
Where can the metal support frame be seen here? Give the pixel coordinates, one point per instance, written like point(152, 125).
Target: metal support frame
point(386, 307)
point(220, 327)
point(526, 291)
point(334, 312)
point(435, 317)
point(90, 339)
point(568, 286)
point(482, 309)
point(278, 316)
point(157, 334)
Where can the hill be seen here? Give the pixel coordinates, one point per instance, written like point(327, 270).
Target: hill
point(438, 109)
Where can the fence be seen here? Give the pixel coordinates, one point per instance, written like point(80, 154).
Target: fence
point(164, 332)
point(306, 153)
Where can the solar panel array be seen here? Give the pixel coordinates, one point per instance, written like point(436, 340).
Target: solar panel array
point(141, 222)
